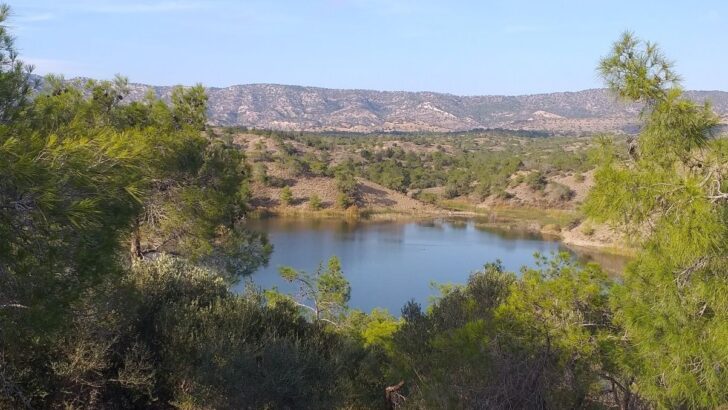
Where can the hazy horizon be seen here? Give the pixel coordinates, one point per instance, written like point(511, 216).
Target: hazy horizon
point(131, 81)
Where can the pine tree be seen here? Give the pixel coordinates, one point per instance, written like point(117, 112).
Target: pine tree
point(670, 196)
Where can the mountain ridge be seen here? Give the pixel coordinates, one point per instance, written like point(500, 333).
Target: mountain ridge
point(319, 109)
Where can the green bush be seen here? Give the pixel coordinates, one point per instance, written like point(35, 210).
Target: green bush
point(536, 181)
point(314, 202)
point(286, 196)
point(260, 173)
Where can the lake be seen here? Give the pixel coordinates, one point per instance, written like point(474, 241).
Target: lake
point(389, 263)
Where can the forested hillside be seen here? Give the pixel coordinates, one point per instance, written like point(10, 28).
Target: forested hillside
point(122, 231)
point(481, 169)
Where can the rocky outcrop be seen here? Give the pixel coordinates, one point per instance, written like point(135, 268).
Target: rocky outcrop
point(295, 108)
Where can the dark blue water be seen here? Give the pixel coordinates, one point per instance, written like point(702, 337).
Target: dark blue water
point(389, 263)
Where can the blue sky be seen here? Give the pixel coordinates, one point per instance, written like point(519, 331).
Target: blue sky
point(460, 47)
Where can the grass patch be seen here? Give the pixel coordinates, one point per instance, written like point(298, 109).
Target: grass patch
point(522, 215)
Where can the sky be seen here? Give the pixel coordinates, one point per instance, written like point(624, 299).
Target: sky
point(459, 47)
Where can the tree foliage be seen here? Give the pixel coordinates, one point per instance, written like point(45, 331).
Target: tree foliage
point(325, 293)
point(87, 177)
point(670, 196)
point(541, 341)
point(122, 233)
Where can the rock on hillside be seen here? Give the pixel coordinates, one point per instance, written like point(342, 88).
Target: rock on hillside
point(296, 108)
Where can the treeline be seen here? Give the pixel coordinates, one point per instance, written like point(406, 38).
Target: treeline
point(123, 230)
point(499, 132)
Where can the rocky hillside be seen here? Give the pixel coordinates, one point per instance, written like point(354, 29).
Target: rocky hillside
point(296, 108)
point(319, 109)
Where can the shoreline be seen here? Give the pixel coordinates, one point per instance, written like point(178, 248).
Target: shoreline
point(531, 220)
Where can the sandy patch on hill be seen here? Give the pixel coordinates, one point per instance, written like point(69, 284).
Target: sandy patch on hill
point(580, 187)
point(589, 235)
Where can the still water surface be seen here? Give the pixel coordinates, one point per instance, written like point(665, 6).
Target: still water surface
point(389, 263)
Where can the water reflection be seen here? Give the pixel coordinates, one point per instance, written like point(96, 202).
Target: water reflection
point(389, 263)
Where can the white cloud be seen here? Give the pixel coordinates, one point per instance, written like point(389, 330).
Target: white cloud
point(134, 7)
point(33, 18)
point(54, 66)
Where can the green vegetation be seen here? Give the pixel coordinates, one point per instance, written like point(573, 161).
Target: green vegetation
point(471, 167)
point(346, 186)
point(542, 341)
point(536, 181)
point(260, 173)
point(326, 291)
point(286, 196)
point(673, 304)
point(314, 202)
point(122, 236)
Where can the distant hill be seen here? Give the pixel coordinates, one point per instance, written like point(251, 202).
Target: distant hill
point(296, 108)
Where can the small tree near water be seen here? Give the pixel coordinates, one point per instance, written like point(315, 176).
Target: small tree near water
point(286, 196)
point(325, 293)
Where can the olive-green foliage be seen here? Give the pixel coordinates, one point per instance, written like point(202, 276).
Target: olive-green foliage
point(314, 202)
point(286, 196)
point(15, 84)
point(96, 196)
point(316, 166)
point(347, 186)
point(212, 340)
point(493, 174)
point(390, 174)
point(376, 328)
point(170, 333)
point(478, 162)
point(637, 71)
point(544, 340)
point(427, 197)
point(260, 173)
point(536, 181)
point(458, 183)
point(669, 194)
point(325, 293)
point(86, 179)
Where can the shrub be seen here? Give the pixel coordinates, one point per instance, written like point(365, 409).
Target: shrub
point(314, 202)
point(427, 197)
point(518, 180)
point(561, 191)
point(536, 181)
point(502, 194)
point(286, 196)
point(587, 230)
point(260, 173)
point(347, 186)
point(343, 201)
point(450, 192)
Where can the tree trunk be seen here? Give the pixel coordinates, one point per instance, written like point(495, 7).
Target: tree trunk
point(136, 242)
point(392, 397)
